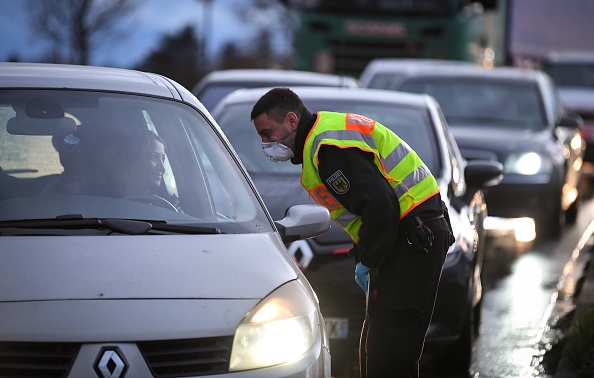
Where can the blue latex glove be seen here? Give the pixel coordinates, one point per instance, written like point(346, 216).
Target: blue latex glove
point(361, 276)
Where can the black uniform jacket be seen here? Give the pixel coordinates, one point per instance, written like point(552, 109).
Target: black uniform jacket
point(369, 195)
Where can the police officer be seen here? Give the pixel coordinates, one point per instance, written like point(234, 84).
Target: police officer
point(378, 189)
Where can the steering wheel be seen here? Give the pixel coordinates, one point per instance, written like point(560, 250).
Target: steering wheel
point(152, 199)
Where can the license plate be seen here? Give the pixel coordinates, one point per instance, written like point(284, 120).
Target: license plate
point(337, 328)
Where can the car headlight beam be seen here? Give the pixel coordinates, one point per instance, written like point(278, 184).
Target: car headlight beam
point(279, 329)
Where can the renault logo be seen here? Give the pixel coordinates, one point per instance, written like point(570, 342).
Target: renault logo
point(110, 364)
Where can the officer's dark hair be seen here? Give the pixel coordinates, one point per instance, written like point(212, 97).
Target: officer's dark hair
point(276, 103)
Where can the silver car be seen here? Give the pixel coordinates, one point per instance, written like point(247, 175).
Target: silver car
point(217, 84)
point(132, 241)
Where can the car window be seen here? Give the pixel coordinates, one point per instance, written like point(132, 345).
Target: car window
point(385, 80)
point(210, 95)
point(412, 124)
point(234, 120)
point(108, 155)
point(474, 101)
point(571, 74)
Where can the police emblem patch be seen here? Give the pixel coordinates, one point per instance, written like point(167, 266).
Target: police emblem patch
point(339, 183)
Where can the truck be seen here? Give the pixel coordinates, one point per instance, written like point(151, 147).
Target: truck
point(341, 37)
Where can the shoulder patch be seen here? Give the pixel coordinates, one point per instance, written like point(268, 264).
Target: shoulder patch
point(338, 182)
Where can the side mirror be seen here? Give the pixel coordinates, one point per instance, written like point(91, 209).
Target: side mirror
point(303, 222)
point(571, 120)
point(483, 173)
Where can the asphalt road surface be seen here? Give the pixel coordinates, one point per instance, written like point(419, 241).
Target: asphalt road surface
point(520, 286)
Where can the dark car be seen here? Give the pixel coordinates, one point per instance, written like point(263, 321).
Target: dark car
point(573, 72)
point(217, 84)
point(419, 121)
point(511, 115)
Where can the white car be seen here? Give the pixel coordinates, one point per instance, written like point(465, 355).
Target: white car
point(182, 274)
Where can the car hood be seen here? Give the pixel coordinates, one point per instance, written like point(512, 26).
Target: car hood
point(495, 143)
point(50, 268)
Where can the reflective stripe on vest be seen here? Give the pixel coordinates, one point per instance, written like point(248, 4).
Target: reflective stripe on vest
point(412, 181)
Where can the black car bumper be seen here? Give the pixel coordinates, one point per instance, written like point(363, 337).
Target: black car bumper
point(523, 196)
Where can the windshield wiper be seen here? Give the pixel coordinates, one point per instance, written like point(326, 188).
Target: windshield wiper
point(78, 222)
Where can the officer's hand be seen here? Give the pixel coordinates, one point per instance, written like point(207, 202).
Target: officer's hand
point(354, 253)
point(361, 276)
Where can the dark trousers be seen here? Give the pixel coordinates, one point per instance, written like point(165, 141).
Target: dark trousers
point(400, 307)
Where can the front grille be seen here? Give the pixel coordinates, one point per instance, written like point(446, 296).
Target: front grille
point(169, 358)
point(42, 360)
point(187, 357)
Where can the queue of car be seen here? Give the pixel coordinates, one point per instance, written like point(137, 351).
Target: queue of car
point(512, 115)
point(222, 264)
point(419, 121)
point(169, 266)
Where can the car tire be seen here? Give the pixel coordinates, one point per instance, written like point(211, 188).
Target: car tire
point(551, 225)
point(457, 357)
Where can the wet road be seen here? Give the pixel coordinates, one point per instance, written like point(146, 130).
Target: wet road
point(519, 293)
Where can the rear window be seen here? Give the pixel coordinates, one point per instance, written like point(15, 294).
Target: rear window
point(472, 101)
point(571, 74)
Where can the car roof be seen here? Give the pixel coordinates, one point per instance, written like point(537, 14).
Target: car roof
point(569, 57)
point(396, 65)
point(251, 76)
point(305, 92)
point(45, 75)
point(434, 68)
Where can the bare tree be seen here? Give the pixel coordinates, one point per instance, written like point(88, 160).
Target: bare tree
point(177, 57)
point(269, 18)
point(74, 28)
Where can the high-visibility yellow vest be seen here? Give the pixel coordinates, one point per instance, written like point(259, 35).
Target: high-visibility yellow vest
point(399, 164)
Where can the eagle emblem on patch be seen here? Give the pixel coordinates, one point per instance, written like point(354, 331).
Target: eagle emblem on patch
point(338, 182)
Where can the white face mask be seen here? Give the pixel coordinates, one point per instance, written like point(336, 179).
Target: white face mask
point(276, 151)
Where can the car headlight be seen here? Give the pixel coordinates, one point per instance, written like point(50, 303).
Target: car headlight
point(281, 328)
point(527, 163)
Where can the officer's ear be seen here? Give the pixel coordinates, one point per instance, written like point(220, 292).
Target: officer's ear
point(293, 120)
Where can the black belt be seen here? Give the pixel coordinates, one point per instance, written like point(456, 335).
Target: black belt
point(430, 219)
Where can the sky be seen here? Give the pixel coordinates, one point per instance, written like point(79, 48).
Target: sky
point(144, 29)
point(538, 26)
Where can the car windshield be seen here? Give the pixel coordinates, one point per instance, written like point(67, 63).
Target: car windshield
point(105, 155)
point(493, 103)
point(412, 124)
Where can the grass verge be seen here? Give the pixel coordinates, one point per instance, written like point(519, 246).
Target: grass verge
point(580, 345)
